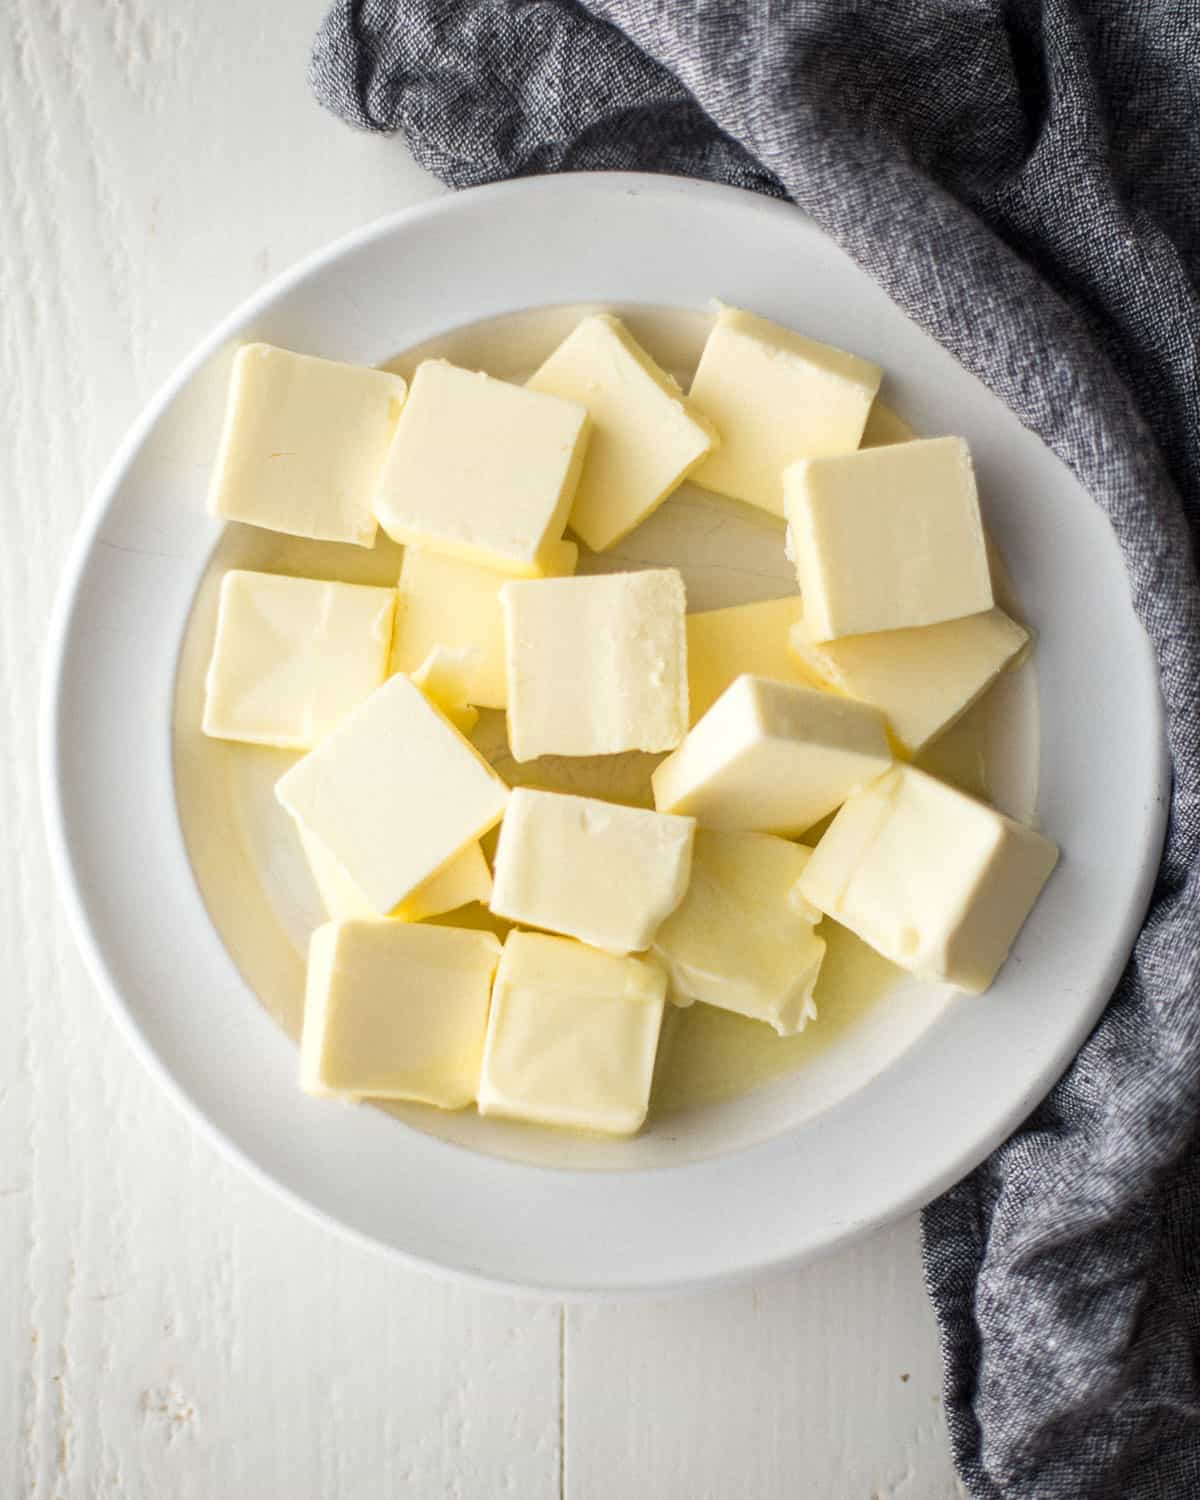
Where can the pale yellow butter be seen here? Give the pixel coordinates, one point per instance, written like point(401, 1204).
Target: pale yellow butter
point(464, 879)
point(596, 665)
point(744, 937)
point(596, 871)
point(775, 396)
point(923, 679)
point(884, 427)
point(396, 1011)
point(887, 538)
point(293, 656)
point(482, 469)
point(572, 1035)
point(394, 793)
point(447, 602)
point(443, 678)
point(772, 757)
point(725, 643)
point(934, 880)
point(304, 444)
point(645, 437)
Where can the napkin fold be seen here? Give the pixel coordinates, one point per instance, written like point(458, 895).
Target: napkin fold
point(1021, 177)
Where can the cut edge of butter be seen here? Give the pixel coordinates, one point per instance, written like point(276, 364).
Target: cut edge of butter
point(885, 426)
point(444, 679)
point(465, 879)
point(886, 667)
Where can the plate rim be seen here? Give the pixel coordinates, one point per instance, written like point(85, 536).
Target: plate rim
point(92, 951)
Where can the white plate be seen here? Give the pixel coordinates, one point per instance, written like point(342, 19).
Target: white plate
point(903, 1103)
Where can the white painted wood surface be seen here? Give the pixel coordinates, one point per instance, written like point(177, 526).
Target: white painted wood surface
point(168, 1328)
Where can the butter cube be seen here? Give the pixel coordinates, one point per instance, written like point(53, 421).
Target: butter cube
point(775, 396)
point(596, 665)
point(645, 438)
point(725, 643)
point(744, 937)
point(934, 880)
point(304, 443)
point(394, 793)
point(772, 757)
point(482, 469)
point(293, 656)
point(887, 538)
point(464, 879)
point(572, 1035)
point(446, 602)
point(922, 679)
point(596, 871)
point(395, 1011)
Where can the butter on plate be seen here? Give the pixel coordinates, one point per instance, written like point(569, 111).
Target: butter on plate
point(593, 870)
point(923, 679)
point(596, 665)
point(304, 443)
point(646, 438)
point(572, 1035)
point(293, 656)
point(394, 1010)
point(775, 396)
point(887, 538)
point(482, 469)
point(394, 793)
point(744, 937)
point(934, 880)
point(772, 757)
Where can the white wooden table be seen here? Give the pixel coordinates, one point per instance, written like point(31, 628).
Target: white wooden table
point(169, 1329)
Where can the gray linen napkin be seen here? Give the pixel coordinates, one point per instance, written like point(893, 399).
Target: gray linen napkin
point(1023, 178)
